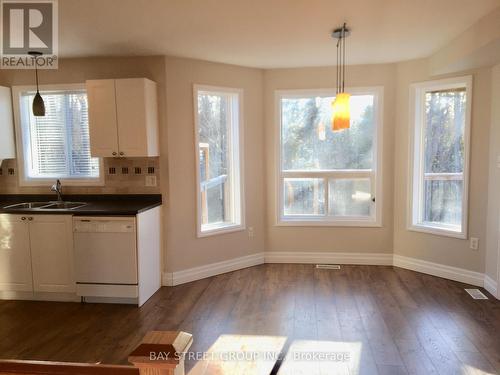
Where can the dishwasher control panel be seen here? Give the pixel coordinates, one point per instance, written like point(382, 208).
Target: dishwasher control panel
point(110, 225)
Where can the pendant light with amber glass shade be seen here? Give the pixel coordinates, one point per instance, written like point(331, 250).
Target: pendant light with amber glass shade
point(341, 116)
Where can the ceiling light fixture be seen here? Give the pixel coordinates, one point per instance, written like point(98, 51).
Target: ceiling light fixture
point(38, 104)
point(341, 117)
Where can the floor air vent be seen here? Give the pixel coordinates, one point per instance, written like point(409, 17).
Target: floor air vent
point(476, 294)
point(328, 266)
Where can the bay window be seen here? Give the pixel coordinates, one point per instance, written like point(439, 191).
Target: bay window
point(440, 154)
point(327, 177)
point(218, 130)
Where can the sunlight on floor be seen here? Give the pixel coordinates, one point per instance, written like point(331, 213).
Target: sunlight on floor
point(471, 370)
point(314, 357)
point(239, 354)
point(245, 354)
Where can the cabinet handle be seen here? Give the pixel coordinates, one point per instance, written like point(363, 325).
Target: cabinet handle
point(23, 218)
point(122, 153)
point(30, 218)
point(114, 153)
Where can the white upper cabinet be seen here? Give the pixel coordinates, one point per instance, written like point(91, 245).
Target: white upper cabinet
point(137, 116)
point(123, 117)
point(7, 148)
point(102, 118)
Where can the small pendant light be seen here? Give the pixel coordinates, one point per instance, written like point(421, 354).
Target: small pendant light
point(38, 104)
point(341, 118)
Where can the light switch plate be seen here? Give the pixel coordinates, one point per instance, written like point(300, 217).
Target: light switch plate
point(150, 180)
point(474, 243)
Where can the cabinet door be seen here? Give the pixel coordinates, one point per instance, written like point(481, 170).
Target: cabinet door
point(103, 127)
point(51, 240)
point(137, 117)
point(15, 259)
point(7, 149)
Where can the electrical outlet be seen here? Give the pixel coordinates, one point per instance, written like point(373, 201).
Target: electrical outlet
point(474, 243)
point(150, 180)
point(251, 233)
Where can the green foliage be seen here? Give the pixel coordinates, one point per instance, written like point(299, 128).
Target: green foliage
point(212, 127)
point(304, 147)
point(444, 131)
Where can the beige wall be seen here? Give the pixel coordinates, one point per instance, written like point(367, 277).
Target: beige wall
point(78, 71)
point(477, 46)
point(185, 250)
point(439, 249)
point(492, 246)
point(175, 78)
point(330, 239)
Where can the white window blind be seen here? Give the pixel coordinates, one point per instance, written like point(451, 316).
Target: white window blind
point(57, 145)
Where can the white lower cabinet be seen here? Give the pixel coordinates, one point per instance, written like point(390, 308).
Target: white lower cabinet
point(36, 254)
point(51, 242)
point(117, 258)
point(15, 257)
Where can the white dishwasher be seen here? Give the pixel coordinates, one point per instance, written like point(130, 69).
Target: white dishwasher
point(105, 256)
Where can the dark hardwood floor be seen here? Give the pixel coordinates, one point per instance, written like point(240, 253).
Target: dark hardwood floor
point(389, 320)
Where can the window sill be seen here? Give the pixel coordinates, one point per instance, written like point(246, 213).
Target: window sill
point(369, 223)
point(437, 231)
point(220, 229)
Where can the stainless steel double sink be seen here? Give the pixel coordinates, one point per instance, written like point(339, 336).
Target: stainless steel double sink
point(53, 205)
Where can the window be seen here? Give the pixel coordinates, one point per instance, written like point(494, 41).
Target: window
point(219, 164)
point(326, 177)
point(440, 145)
point(57, 145)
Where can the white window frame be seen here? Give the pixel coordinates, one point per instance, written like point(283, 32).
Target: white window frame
point(416, 174)
point(24, 180)
point(237, 162)
point(374, 174)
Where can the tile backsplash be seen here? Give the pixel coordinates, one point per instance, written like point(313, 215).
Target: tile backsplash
point(121, 176)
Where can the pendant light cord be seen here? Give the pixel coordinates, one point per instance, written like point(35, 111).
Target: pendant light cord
point(343, 56)
point(340, 34)
point(338, 68)
point(36, 72)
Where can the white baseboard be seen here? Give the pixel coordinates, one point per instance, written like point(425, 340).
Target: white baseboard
point(440, 270)
point(167, 279)
point(384, 259)
point(491, 286)
point(380, 259)
point(39, 296)
point(197, 273)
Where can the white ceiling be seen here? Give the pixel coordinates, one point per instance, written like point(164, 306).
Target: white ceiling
point(264, 33)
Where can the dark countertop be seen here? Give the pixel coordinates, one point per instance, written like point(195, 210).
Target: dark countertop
point(97, 205)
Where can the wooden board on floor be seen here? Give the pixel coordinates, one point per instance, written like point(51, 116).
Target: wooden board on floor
point(402, 321)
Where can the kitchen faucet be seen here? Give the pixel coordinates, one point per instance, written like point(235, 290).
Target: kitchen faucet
point(57, 187)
